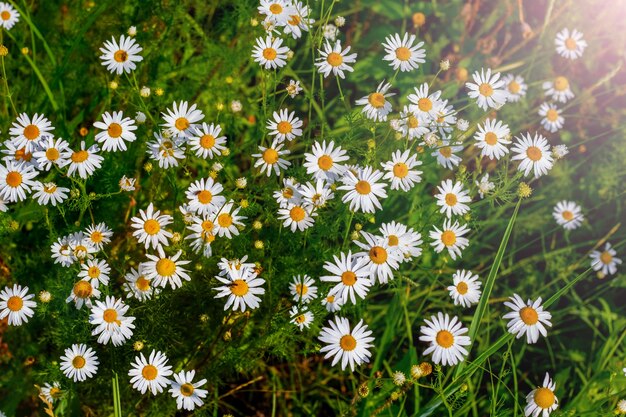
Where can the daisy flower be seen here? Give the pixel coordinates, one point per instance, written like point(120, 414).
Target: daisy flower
point(334, 60)
point(227, 222)
point(515, 86)
point(121, 57)
point(18, 155)
point(96, 271)
point(621, 405)
point(325, 161)
point(299, 21)
point(316, 195)
point(270, 53)
point(352, 275)
point(289, 194)
point(99, 235)
point(465, 290)
point(492, 139)
point(187, 393)
point(534, 153)
point(203, 234)
point(488, 89)
point(376, 105)
point(166, 270)
point(81, 246)
point(297, 217)
point(48, 192)
point(570, 45)
point(84, 161)
point(446, 154)
point(559, 151)
point(452, 198)
point(527, 318)
point(242, 286)
point(138, 286)
point(82, 293)
point(127, 184)
point(62, 252)
point(285, 125)
point(166, 151)
point(150, 374)
point(203, 196)
point(8, 16)
point(450, 237)
point(551, 120)
point(51, 392)
point(150, 226)
point(3, 206)
point(445, 118)
point(277, 11)
point(403, 239)
point(605, 261)
point(402, 53)
point(484, 185)
point(363, 190)
point(568, 214)
point(301, 317)
point(270, 158)
point(29, 132)
point(542, 400)
point(410, 124)
point(207, 142)
point(180, 121)
point(116, 131)
point(558, 89)
point(350, 346)
point(111, 323)
point(16, 304)
point(293, 89)
point(332, 303)
point(79, 362)
point(446, 339)
point(424, 103)
point(381, 259)
point(302, 289)
point(15, 181)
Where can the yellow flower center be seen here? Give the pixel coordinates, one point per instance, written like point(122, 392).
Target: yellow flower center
point(393, 240)
point(451, 199)
point(14, 179)
point(330, 299)
point(5, 15)
point(31, 132)
point(485, 90)
point(491, 138)
point(446, 151)
point(325, 162)
point(514, 87)
point(120, 56)
point(276, 8)
point(552, 115)
point(544, 398)
point(606, 258)
point(363, 187)
point(93, 272)
point(444, 338)
point(151, 227)
point(80, 156)
point(269, 54)
point(297, 214)
point(461, 288)
point(347, 342)
point(403, 53)
point(568, 215)
point(204, 196)
point(79, 362)
point(413, 122)
point(295, 20)
point(114, 130)
point(348, 278)
point(533, 153)
point(334, 59)
point(207, 141)
point(300, 319)
point(110, 315)
point(224, 220)
point(448, 238)
point(82, 289)
point(270, 156)
point(424, 104)
point(50, 188)
point(165, 267)
point(529, 316)
point(287, 192)
point(15, 303)
point(149, 372)
point(181, 123)
point(561, 83)
point(570, 44)
point(301, 289)
point(377, 100)
point(284, 127)
point(55, 392)
point(22, 155)
point(378, 255)
point(142, 284)
point(52, 154)
point(96, 236)
point(239, 287)
point(186, 390)
point(400, 170)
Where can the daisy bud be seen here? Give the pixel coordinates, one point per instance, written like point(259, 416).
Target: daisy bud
point(330, 32)
point(176, 237)
point(229, 80)
point(241, 182)
point(145, 91)
point(371, 143)
point(204, 318)
point(254, 22)
point(461, 74)
point(159, 92)
point(3, 51)
point(363, 390)
point(559, 151)
point(354, 235)
point(372, 219)
point(132, 31)
point(226, 152)
point(289, 54)
point(398, 136)
point(416, 372)
point(220, 106)
point(394, 396)
point(140, 117)
point(212, 174)
point(74, 193)
point(257, 225)
point(113, 85)
point(358, 227)
point(14, 226)
point(462, 125)
point(236, 106)
point(340, 21)
point(444, 65)
point(463, 388)
point(25, 51)
point(147, 167)
point(399, 378)
point(217, 167)
point(258, 244)
point(83, 131)
point(426, 368)
point(227, 336)
point(244, 203)
point(419, 19)
point(138, 345)
point(621, 407)
point(524, 190)
point(92, 195)
point(45, 296)
point(601, 275)
point(198, 266)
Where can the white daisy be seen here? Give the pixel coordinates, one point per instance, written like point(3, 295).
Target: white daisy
point(15, 181)
point(165, 269)
point(293, 89)
point(121, 57)
point(403, 239)
point(150, 374)
point(488, 89)
point(302, 289)
point(51, 392)
point(82, 293)
point(18, 155)
point(446, 154)
point(527, 318)
point(605, 261)
point(465, 290)
point(277, 11)
point(423, 103)
point(289, 194)
point(297, 216)
point(96, 271)
point(301, 317)
point(62, 252)
point(112, 325)
point(363, 189)
point(552, 120)
point(181, 120)
point(202, 234)
point(534, 153)
point(99, 235)
point(187, 393)
point(138, 286)
point(446, 339)
point(150, 225)
point(79, 362)
point(402, 53)
point(325, 161)
point(450, 237)
point(352, 275)
point(285, 126)
point(116, 131)
point(166, 151)
point(484, 185)
point(334, 59)
point(127, 184)
point(81, 246)
point(270, 158)
point(568, 214)
point(411, 124)
point(316, 195)
point(570, 45)
point(452, 198)
point(48, 192)
point(332, 303)
point(8, 16)
point(16, 304)
point(207, 142)
point(243, 286)
point(558, 89)
point(515, 86)
point(445, 118)
point(227, 222)
point(299, 21)
point(382, 259)
point(203, 196)
point(29, 133)
point(350, 346)
point(377, 107)
point(270, 53)
point(492, 138)
point(84, 161)
point(542, 400)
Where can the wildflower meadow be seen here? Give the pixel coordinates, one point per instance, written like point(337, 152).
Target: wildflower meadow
point(312, 208)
